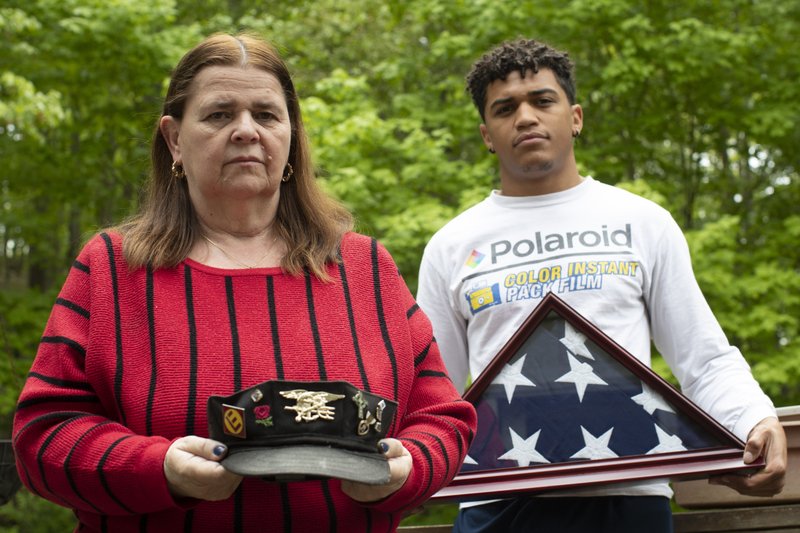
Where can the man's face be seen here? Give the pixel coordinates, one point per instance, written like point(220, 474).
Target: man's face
point(529, 124)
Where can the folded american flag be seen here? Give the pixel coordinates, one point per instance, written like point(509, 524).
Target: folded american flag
point(563, 405)
point(562, 398)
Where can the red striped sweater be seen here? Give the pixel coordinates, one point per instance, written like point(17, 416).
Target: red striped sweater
point(129, 358)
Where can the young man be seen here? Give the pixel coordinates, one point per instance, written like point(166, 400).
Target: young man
point(520, 242)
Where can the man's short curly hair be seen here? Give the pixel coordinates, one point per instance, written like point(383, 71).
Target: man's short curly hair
point(520, 55)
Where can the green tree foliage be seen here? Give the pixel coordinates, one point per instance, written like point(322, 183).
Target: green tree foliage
point(28, 513)
point(692, 104)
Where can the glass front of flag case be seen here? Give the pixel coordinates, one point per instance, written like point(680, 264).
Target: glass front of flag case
point(562, 405)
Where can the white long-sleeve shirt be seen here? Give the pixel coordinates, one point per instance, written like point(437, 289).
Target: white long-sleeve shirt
point(618, 259)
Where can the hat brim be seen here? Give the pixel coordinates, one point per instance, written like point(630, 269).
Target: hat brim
point(292, 463)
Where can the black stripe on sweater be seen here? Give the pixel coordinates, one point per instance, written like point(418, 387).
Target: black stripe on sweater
point(72, 306)
point(151, 328)
point(287, 509)
point(190, 320)
point(273, 324)
point(441, 446)
point(80, 266)
point(43, 448)
point(63, 383)
point(429, 459)
point(53, 415)
point(432, 374)
point(102, 475)
point(312, 315)
point(455, 432)
point(66, 341)
point(376, 278)
point(412, 311)
point(29, 479)
point(422, 355)
point(68, 460)
point(368, 519)
point(119, 374)
point(353, 329)
point(326, 493)
point(56, 415)
point(58, 398)
point(238, 510)
point(237, 353)
point(393, 524)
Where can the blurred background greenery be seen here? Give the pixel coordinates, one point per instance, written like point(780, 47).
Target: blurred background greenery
point(692, 104)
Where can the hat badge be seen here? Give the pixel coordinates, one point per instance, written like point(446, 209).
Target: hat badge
point(311, 405)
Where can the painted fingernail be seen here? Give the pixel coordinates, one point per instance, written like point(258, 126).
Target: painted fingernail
point(218, 450)
point(384, 447)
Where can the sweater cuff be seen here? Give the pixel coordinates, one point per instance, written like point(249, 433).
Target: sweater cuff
point(400, 500)
point(156, 488)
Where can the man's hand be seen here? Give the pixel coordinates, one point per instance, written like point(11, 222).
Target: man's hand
point(193, 471)
point(767, 439)
point(399, 469)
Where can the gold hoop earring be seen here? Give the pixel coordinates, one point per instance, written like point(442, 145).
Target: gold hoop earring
point(177, 171)
point(287, 173)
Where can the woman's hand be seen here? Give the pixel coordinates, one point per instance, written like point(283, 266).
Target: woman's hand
point(399, 469)
point(193, 471)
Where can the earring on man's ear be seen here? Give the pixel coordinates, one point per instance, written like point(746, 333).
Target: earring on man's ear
point(287, 173)
point(177, 171)
point(576, 134)
point(491, 150)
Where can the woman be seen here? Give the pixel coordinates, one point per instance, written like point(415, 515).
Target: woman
point(236, 270)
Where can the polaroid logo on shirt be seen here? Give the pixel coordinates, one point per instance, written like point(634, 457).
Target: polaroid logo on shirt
point(555, 242)
point(474, 259)
point(481, 298)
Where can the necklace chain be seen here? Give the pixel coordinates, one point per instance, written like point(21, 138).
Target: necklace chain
point(240, 263)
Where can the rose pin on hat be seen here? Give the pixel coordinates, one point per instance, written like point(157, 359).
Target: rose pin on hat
point(296, 430)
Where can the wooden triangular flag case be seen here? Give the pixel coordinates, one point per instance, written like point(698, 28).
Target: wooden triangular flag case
point(562, 405)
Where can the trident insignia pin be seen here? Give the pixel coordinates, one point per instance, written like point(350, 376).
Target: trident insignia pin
point(311, 405)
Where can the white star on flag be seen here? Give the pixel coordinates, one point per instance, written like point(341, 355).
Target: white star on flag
point(582, 375)
point(596, 447)
point(667, 443)
point(575, 342)
point(469, 460)
point(511, 375)
point(651, 400)
point(523, 451)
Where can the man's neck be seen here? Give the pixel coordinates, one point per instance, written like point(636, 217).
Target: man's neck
point(539, 186)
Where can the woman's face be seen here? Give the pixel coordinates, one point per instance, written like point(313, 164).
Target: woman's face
point(234, 138)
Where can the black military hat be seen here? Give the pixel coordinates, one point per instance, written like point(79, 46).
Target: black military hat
point(295, 430)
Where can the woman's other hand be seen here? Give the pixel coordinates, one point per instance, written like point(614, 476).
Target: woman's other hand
point(399, 469)
point(193, 470)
